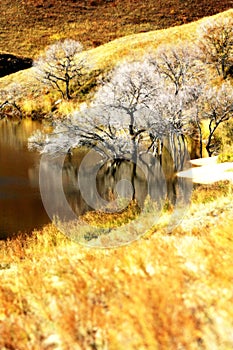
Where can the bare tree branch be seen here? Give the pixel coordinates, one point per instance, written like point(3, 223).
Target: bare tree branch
point(62, 63)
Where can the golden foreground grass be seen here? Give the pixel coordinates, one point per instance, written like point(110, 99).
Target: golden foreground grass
point(161, 292)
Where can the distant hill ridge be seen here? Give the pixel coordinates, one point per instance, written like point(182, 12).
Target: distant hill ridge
point(27, 26)
point(111, 53)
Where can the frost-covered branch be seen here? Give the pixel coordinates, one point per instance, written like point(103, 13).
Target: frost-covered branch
point(216, 45)
point(217, 108)
point(62, 63)
point(130, 115)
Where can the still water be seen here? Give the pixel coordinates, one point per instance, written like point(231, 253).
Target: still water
point(21, 207)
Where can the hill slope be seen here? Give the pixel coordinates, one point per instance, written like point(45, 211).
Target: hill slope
point(108, 55)
point(27, 26)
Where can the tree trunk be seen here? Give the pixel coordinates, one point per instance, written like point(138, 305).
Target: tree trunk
point(133, 177)
point(68, 97)
point(208, 146)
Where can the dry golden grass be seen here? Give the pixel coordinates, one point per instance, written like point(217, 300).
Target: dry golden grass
point(165, 291)
point(115, 219)
point(102, 59)
point(161, 292)
point(27, 26)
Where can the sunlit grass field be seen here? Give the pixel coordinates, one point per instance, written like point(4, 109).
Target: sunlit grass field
point(167, 290)
point(164, 291)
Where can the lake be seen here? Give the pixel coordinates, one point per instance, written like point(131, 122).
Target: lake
point(21, 207)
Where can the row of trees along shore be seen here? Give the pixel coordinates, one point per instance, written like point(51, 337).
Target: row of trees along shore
point(170, 93)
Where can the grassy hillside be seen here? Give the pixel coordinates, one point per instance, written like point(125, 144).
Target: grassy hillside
point(164, 292)
point(28, 89)
point(27, 26)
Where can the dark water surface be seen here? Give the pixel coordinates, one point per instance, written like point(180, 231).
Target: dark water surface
point(21, 208)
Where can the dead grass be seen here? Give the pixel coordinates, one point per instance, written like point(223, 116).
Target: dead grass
point(27, 26)
point(103, 59)
point(161, 292)
point(209, 193)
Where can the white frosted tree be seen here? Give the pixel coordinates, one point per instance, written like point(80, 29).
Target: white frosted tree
point(9, 101)
point(133, 113)
point(216, 44)
point(133, 118)
point(178, 65)
point(183, 77)
point(129, 115)
point(61, 64)
point(216, 109)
